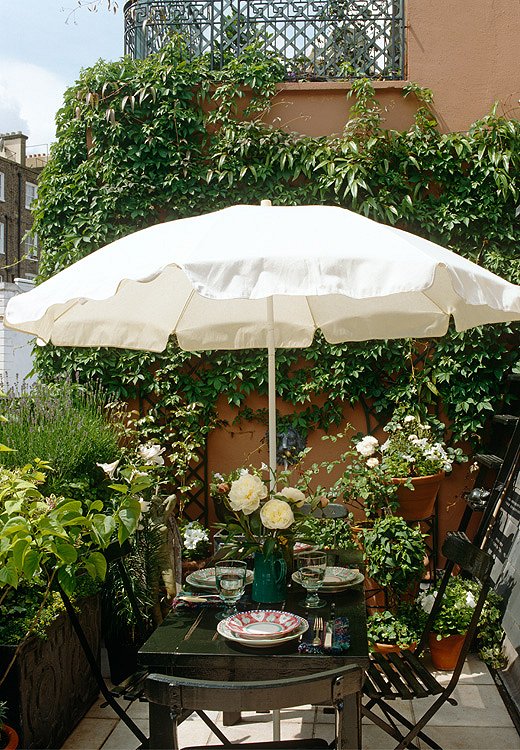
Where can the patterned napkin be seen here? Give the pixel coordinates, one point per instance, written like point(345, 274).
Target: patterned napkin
point(340, 639)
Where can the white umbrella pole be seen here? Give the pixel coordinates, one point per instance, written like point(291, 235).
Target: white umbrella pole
point(271, 379)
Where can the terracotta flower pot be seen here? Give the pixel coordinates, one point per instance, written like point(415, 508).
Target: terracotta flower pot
point(189, 566)
point(445, 653)
point(417, 504)
point(9, 738)
point(393, 648)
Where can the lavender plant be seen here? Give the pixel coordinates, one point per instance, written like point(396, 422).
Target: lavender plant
point(66, 426)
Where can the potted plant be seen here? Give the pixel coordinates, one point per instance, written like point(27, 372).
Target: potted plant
point(8, 736)
point(389, 631)
point(394, 555)
point(196, 545)
point(416, 459)
point(451, 623)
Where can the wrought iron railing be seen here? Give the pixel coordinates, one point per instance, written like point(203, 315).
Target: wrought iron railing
point(317, 39)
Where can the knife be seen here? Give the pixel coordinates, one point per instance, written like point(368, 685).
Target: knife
point(329, 631)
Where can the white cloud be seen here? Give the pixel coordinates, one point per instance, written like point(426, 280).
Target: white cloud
point(29, 99)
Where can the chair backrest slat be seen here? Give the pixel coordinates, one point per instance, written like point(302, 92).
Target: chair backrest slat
point(192, 694)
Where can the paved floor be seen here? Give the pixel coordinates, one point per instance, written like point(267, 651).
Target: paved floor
point(479, 722)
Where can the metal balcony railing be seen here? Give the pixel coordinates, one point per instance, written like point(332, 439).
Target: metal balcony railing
point(317, 39)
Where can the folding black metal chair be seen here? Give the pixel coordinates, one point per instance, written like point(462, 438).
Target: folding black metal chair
point(405, 676)
point(183, 696)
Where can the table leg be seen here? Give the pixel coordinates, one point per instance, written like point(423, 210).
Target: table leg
point(229, 718)
point(351, 725)
point(162, 731)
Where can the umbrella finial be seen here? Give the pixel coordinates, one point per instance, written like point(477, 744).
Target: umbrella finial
point(266, 202)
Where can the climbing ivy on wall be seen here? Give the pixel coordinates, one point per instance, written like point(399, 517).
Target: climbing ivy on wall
point(163, 138)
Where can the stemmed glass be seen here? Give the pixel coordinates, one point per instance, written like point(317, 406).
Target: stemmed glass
point(311, 567)
point(230, 578)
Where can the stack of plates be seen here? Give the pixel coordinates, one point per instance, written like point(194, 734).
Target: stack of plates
point(262, 628)
point(205, 579)
point(336, 579)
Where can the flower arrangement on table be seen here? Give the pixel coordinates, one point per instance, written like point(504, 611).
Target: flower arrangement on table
point(258, 520)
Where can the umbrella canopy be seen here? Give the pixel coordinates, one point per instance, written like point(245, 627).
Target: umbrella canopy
point(251, 276)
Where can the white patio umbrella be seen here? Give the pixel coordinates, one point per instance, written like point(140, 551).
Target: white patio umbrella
point(251, 276)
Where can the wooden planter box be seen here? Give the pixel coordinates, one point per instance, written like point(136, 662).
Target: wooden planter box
point(50, 687)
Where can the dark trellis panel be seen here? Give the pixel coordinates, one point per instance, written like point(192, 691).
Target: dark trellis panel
point(317, 39)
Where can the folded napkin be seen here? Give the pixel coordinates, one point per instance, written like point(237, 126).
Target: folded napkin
point(179, 602)
point(340, 639)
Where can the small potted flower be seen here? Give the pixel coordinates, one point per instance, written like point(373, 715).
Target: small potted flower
point(451, 622)
point(196, 546)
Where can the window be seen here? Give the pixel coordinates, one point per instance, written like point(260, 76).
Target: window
point(31, 193)
point(2, 238)
point(2, 186)
point(31, 246)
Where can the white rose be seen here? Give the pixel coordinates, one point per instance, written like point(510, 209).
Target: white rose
point(276, 514)
point(151, 454)
point(408, 418)
point(246, 492)
point(293, 495)
point(372, 463)
point(367, 446)
point(145, 506)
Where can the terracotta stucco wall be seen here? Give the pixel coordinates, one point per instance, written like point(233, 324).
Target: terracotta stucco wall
point(466, 51)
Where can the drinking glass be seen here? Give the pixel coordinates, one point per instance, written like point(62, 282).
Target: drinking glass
point(311, 569)
point(230, 577)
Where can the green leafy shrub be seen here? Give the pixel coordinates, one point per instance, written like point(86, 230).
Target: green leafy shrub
point(401, 628)
point(394, 554)
point(327, 533)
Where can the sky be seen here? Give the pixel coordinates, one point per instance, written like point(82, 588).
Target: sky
point(43, 46)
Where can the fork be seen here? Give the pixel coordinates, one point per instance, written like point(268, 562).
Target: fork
point(318, 628)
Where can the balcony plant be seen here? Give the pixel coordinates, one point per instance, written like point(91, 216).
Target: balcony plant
point(394, 555)
point(196, 545)
point(451, 623)
point(327, 533)
point(415, 458)
point(395, 631)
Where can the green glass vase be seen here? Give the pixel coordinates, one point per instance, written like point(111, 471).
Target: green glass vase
point(269, 584)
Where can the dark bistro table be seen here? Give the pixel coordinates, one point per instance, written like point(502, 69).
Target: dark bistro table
point(187, 644)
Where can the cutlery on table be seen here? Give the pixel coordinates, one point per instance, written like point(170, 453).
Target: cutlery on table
point(198, 597)
point(318, 629)
point(329, 631)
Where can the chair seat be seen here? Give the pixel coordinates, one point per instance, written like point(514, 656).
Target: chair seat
point(403, 676)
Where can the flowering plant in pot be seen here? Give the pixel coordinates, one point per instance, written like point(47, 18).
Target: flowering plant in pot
point(416, 459)
point(196, 546)
point(451, 622)
point(262, 523)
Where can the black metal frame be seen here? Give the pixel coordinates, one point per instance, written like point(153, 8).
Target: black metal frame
point(317, 39)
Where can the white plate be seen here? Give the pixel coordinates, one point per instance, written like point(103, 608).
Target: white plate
point(335, 576)
point(200, 579)
point(258, 624)
point(334, 587)
point(264, 642)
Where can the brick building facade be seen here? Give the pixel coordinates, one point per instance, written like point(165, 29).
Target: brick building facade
point(18, 188)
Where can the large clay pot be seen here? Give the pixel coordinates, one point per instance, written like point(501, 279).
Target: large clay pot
point(419, 503)
point(445, 653)
point(9, 737)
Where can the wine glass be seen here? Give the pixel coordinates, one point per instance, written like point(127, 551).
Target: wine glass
point(230, 578)
point(311, 569)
